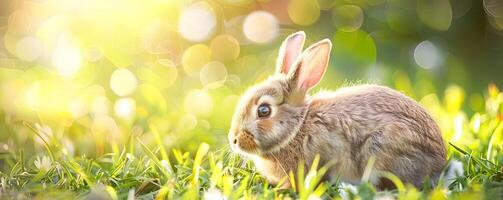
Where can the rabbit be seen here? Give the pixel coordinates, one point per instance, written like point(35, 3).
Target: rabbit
point(277, 124)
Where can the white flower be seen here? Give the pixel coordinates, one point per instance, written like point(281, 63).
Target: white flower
point(43, 163)
point(214, 194)
point(346, 189)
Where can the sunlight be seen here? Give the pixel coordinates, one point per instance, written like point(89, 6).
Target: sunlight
point(260, 27)
point(197, 22)
point(66, 57)
point(123, 82)
point(125, 108)
point(33, 96)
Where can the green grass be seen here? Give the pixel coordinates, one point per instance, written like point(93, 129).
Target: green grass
point(150, 171)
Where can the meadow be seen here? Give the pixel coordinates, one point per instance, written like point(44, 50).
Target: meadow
point(140, 171)
point(133, 99)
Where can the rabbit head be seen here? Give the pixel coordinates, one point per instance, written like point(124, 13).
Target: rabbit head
point(270, 114)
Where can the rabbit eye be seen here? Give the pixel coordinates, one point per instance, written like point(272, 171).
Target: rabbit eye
point(264, 110)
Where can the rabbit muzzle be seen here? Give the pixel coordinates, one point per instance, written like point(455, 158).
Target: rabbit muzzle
point(245, 141)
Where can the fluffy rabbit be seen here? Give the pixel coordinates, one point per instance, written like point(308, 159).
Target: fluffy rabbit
point(277, 124)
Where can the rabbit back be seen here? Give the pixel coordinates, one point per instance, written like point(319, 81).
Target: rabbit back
point(352, 124)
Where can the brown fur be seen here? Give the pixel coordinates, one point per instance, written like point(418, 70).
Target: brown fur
point(345, 127)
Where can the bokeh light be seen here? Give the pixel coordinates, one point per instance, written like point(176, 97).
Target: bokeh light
point(347, 17)
point(427, 55)
point(197, 22)
point(125, 108)
point(29, 49)
point(161, 74)
point(104, 125)
point(100, 106)
point(78, 108)
point(213, 74)
point(493, 7)
point(355, 48)
point(436, 14)
point(93, 54)
point(152, 100)
point(303, 12)
point(195, 57)
point(401, 16)
point(52, 28)
point(32, 96)
point(224, 48)
point(20, 21)
point(66, 57)
point(260, 27)
point(454, 98)
point(123, 82)
point(199, 103)
point(494, 10)
point(187, 122)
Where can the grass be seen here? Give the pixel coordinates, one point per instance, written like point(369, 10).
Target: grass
point(150, 171)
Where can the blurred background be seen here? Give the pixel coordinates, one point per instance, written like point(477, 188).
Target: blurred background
point(93, 75)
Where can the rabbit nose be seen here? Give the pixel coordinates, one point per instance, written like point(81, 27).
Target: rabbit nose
point(245, 141)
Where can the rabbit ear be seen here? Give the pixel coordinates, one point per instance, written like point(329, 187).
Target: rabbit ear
point(312, 66)
point(289, 52)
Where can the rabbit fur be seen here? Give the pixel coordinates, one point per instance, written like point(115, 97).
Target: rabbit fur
point(345, 127)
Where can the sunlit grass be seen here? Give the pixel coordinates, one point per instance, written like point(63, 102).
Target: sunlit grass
point(152, 171)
